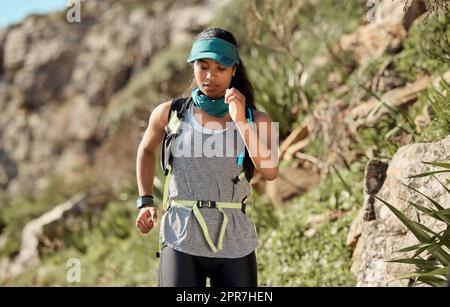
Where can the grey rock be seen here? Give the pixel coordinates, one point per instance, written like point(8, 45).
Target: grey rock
point(377, 240)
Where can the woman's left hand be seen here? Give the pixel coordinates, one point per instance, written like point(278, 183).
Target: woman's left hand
point(236, 101)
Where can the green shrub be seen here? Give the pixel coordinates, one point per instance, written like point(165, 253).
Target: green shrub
point(439, 101)
point(17, 212)
point(427, 48)
point(110, 249)
point(299, 252)
point(275, 73)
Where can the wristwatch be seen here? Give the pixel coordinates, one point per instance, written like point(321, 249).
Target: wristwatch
point(144, 201)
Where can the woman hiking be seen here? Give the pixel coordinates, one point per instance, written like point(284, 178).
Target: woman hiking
point(205, 232)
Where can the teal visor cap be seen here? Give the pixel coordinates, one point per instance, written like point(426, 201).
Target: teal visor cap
point(216, 49)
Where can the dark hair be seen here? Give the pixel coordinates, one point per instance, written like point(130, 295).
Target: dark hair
point(240, 81)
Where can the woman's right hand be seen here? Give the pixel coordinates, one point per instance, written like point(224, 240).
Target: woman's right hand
point(146, 219)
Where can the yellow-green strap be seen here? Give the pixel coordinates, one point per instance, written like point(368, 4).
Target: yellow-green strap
point(241, 175)
point(229, 205)
point(222, 230)
point(183, 203)
point(162, 238)
point(166, 186)
point(202, 223)
point(165, 194)
point(174, 123)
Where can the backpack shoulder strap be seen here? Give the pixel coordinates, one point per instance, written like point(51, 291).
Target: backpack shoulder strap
point(244, 157)
point(248, 166)
point(180, 106)
point(177, 112)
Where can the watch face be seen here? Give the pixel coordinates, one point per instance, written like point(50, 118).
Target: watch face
point(147, 201)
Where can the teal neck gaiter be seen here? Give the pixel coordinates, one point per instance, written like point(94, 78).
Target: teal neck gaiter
point(216, 107)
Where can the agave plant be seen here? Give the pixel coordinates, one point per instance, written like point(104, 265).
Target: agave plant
point(432, 255)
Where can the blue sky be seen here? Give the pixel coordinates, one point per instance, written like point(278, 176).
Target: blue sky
point(12, 11)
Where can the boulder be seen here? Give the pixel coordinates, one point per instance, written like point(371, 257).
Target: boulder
point(378, 239)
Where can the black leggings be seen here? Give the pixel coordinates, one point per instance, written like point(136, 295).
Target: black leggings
point(177, 269)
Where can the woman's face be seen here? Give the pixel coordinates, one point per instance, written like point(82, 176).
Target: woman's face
point(212, 78)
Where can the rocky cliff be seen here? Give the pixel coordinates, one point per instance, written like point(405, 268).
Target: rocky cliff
point(57, 80)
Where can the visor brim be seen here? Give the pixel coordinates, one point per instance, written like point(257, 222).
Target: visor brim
point(213, 56)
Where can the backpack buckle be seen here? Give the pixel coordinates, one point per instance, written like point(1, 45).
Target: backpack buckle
point(206, 203)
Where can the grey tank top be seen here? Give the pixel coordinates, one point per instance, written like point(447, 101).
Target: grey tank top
point(203, 166)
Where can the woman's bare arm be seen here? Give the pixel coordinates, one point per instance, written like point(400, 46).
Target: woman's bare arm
point(146, 160)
